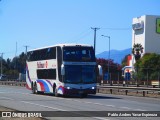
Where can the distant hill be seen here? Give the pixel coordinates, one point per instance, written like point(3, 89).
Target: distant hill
point(116, 55)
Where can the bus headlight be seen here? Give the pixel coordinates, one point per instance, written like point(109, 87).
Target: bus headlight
point(68, 88)
point(93, 88)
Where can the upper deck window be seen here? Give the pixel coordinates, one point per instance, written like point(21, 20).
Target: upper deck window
point(78, 53)
point(42, 54)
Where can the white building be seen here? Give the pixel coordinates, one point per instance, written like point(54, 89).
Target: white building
point(146, 31)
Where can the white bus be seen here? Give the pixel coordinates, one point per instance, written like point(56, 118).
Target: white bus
point(62, 69)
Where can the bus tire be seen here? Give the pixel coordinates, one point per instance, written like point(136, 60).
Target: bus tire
point(34, 90)
point(56, 94)
point(55, 91)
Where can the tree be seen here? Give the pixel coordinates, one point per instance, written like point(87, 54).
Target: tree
point(148, 66)
point(22, 62)
point(137, 51)
point(13, 67)
point(114, 68)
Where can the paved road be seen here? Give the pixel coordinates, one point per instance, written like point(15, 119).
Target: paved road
point(21, 99)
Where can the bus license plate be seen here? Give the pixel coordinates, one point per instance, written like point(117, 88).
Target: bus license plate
point(80, 92)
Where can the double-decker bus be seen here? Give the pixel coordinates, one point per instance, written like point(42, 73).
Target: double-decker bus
point(62, 69)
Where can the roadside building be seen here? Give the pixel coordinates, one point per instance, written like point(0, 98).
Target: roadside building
point(145, 38)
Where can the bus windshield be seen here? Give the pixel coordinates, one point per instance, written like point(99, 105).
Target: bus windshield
point(81, 54)
point(80, 74)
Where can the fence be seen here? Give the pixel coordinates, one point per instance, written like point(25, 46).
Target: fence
point(140, 77)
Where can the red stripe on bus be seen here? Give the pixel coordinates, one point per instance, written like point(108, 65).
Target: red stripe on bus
point(42, 86)
point(28, 87)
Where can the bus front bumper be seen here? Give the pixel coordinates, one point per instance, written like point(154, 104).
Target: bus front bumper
point(79, 91)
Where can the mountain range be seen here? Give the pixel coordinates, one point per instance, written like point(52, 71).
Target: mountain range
point(116, 55)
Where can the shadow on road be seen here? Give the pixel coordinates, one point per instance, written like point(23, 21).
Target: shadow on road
point(88, 96)
point(92, 97)
point(101, 97)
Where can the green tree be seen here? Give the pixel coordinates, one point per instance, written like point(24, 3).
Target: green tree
point(13, 67)
point(148, 67)
point(137, 50)
point(114, 68)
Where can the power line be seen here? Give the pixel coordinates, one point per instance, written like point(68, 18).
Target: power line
point(81, 35)
point(118, 28)
point(84, 35)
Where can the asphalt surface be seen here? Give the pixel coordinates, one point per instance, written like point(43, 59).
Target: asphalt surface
point(21, 99)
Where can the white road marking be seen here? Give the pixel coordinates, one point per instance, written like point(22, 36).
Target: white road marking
point(7, 98)
point(68, 100)
point(139, 110)
point(53, 108)
point(100, 118)
point(126, 108)
point(110, 105)
point(85, 102)
point(15, 93)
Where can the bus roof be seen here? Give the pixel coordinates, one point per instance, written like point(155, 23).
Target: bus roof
point(62, 45)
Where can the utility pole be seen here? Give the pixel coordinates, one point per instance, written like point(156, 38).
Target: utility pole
point(95, 30)
point(16, 58)
point(1, 63)
point(26, 46)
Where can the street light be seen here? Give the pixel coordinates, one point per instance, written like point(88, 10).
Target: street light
point(108, 58)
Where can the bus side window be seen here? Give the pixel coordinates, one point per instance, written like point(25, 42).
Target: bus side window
point(50, 53)
point(46, 73)
point(32, 56)
point(53, 53)
point(36, 55)
point(28, 56)
point(43, 54)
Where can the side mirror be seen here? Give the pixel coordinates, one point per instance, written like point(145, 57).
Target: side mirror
point(62, 70)
point(100, 70)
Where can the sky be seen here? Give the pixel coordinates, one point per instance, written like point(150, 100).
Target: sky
point(39, 23)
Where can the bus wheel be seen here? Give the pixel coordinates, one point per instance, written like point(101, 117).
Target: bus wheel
point(55, 91)
point(34, 89)
point(56, 94)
